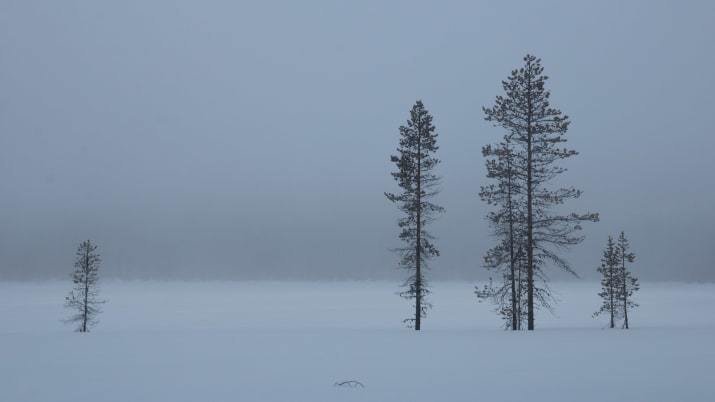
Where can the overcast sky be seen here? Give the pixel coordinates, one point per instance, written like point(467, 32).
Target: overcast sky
point(221, 139)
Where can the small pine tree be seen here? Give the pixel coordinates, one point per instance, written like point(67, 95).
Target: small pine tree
point(82, 299)
point(628, 282)
point(610, 282)
point(415, 163)
point(504, 220)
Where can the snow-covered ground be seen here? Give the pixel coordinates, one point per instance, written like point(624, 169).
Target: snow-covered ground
point(271, 341)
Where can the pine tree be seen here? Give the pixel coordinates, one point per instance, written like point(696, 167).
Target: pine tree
point(504, 222)
point(415, 164)
point(536, 130)
point(610, 282)
point(82, 299)
point(628, 283)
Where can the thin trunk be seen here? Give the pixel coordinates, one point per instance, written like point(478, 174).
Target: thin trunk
point(529, 215)
point(519, 297)
point(625, 295)
point(418, 272)
point(529, 247)
point(511, 240)
point(86, 290)
point(611, 291)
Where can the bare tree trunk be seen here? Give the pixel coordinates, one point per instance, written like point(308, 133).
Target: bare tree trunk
point(86, 291)
point(612, 306)
point(625, 295)
point(529, 218)
point(513, 290)
point(511, 240)
point(418, 251)
point(519, 298)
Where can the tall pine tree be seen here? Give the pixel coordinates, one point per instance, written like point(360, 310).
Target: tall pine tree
point(83, 299)
point(415, 175)
point(537, 132)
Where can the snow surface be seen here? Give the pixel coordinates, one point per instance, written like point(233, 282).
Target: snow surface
point(291, 341)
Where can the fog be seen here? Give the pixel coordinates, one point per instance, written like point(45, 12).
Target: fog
point(228, 140)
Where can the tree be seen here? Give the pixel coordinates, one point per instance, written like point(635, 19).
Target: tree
point(415, 175)
point(628, 283)
point(537, 130)
point(504, 222)
point(83, 298)
point(610, 282)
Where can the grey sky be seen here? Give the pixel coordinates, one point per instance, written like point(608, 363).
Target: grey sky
point(233, 140)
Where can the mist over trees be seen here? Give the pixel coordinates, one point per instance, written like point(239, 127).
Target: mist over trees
point(83, 300)
point(523, 167)
point(415, 163)
point(251, 201)
point(526, 215)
